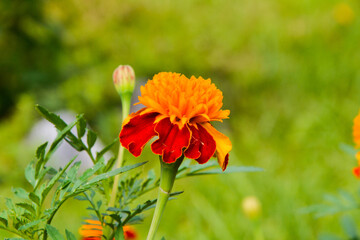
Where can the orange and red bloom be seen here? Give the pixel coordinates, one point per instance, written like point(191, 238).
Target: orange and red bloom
point(356, 137)
point(93, 230)
point(178, 110)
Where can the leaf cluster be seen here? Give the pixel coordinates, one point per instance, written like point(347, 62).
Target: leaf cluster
point(31, 217)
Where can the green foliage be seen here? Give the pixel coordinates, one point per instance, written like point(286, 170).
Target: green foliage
point(350, 231)
point(31, 217)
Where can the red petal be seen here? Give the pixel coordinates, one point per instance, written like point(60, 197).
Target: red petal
point(171, 140)
point(137, 132)
point(356, 172)
point(225, 162)
point(202, 145)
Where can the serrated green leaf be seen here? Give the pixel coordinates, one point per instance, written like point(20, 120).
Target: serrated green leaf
point(28, 216)
point(349, 227)
point(9, 204)
point(51, 117)
point(43, 173)
point(29, 225)
point(105, 149)
point(98, 204)
point(200, 167)
point(27, 207)
point(40, 155)
point(231, 169)
point(71, 174)
point(4, 221)
point(91, 171)
point(91, 138)
point(81, 126)
point(40, 151)
point(69, 235)
point(54, 233)
point(81, 198)
point(110, 163)
point(62, 134)
point(61, 125)
point(75, 143)
point(33, 197)
point(30, 174)
point(20, 192)
point(114, 172)
point(56, 178)
point(116, 217)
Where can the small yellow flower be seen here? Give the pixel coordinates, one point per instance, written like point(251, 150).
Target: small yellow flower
point(343, 14)
point(251, 207)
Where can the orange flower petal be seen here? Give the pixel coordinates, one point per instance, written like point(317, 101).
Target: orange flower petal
point(93, 231)
point(356, 130)
point(129, 233)
point(174, 94)
point(223, 145)
point(93, 222)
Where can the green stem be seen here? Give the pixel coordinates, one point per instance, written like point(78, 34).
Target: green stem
point(167, 178)
point(120, 160)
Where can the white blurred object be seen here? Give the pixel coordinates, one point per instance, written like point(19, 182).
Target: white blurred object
point(43, 131)
point(251, 207)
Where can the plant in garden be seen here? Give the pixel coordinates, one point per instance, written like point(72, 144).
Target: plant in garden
point(344, 201)
point(178, 110)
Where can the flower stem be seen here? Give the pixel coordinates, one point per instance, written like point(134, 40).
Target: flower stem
point(167, 178)
point(120, 160)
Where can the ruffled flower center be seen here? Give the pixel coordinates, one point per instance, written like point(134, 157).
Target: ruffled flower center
point(183, 100)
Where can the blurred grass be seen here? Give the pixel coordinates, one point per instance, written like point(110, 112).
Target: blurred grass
point(289, 71)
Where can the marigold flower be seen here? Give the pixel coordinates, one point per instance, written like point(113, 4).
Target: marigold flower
point(356, 131)
point(93, 230)
point(179, 111)
point(356, 172)
point(356, 136)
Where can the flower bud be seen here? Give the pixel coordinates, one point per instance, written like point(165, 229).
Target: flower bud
point(251, 207)
point(124, 80)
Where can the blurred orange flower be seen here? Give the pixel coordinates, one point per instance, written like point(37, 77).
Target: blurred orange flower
point(179, 111)
point(356, 131)
point(93, 231)
point(356, 136)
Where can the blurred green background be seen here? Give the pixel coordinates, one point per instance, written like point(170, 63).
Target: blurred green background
point(289, 71)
